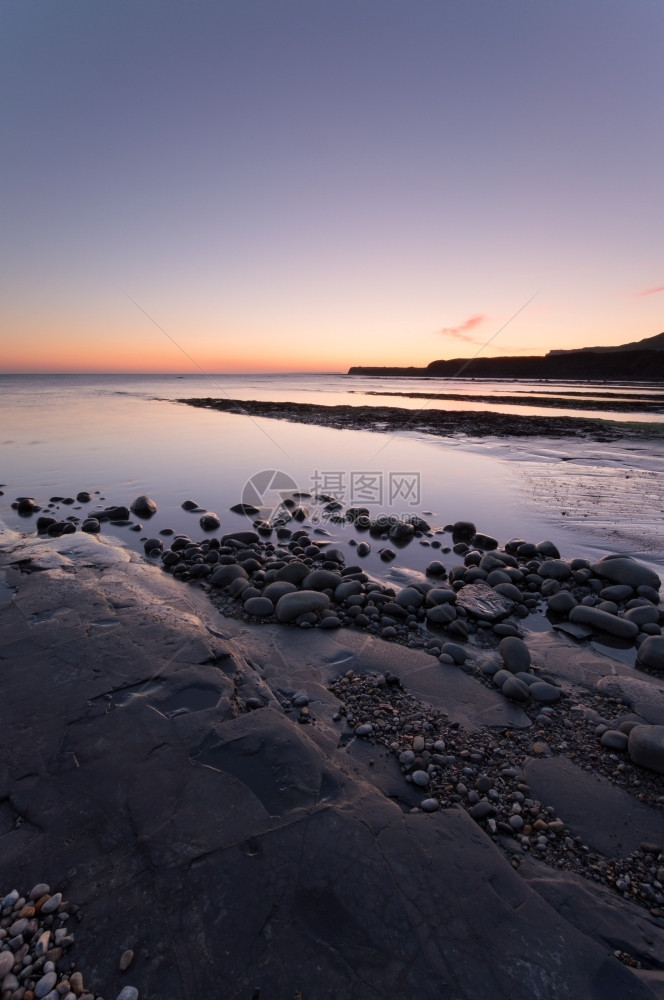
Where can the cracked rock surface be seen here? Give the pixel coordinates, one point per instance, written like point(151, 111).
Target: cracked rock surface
point(192, 785)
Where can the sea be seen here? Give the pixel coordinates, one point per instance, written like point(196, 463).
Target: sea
point(120, 436)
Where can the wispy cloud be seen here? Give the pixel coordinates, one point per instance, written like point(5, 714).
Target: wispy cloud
point(461, 331)
point(650, 291)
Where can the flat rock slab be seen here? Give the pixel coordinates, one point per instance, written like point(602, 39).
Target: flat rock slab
point(581, 665)
point(237, 850)
point(288, 654)
point(608, 819)
point(482, 601)
point(618, 922)
point(645, 695)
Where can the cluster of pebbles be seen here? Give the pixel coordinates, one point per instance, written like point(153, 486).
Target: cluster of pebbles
point(52, 522)
point(489, 592)
point(34, 941)
point(482, 772)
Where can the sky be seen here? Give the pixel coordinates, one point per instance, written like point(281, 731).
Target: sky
point(305, 185)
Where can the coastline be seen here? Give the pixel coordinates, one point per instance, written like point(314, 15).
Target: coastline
point(183, 776)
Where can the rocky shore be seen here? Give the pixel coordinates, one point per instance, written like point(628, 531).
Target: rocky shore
point(440, 423)
point(573, 400)
point(345, 793)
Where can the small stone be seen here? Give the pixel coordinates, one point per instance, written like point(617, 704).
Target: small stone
point(516, 689)
point(45, 984)
point(613, 739)
point(365, 729)
point(562, 602)
point(144, 506)
point(76, 983)
point(544, 692)
point(651, 652)
point(6, 963)
point(429, 805)
point(515, 653)
point(604, 621)
point(418, 744)
point(126, 959)
point(39, 890)
point(128, 993)
point(481, 809)
point(646, 747)
point(51, 905)
point(43, 943)
point(622, 569)
point(457, 653)
point(420, 778)
point(260, 607)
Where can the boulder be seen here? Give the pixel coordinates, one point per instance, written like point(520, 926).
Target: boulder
point(623, 569)
point(291, 606)
point(561, 603)
point(651, 652)
point(261, 607)
point(209, 522)
point(224, 575)
point(646, 747)
point(144, 506)
point(603, 621)
point(321, 579)
point(515, 653)
point(555, 569)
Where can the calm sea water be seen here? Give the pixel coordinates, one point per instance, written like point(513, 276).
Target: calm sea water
point(121, 436)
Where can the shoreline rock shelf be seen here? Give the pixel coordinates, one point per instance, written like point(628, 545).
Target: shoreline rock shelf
point(441, 423)
point(214, 786)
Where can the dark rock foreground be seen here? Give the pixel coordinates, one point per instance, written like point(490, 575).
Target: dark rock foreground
point(154, 772)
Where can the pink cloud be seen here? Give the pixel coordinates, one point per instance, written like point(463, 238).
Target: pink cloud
point(650, 291)
point(461, 332)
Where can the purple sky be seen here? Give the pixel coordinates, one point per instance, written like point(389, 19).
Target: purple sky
point(310, 184)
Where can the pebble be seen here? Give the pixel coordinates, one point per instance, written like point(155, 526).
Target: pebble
point(604, 621)
point(209, 522)
point(291, 606)
point(128, 993)
point(516, 689)
point(6, 963)
point(613, 739)
point(544, 692)
point(651, 652)
point(646, 747)
point(143, 506)
point(45, 984)
point(622, 569)
point(515, 653)
point(126, 959)
point(51, 905)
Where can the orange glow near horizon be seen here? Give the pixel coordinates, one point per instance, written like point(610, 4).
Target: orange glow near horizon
point(80, 344)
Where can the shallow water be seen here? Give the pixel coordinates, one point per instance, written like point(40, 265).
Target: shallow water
point(112, 436)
